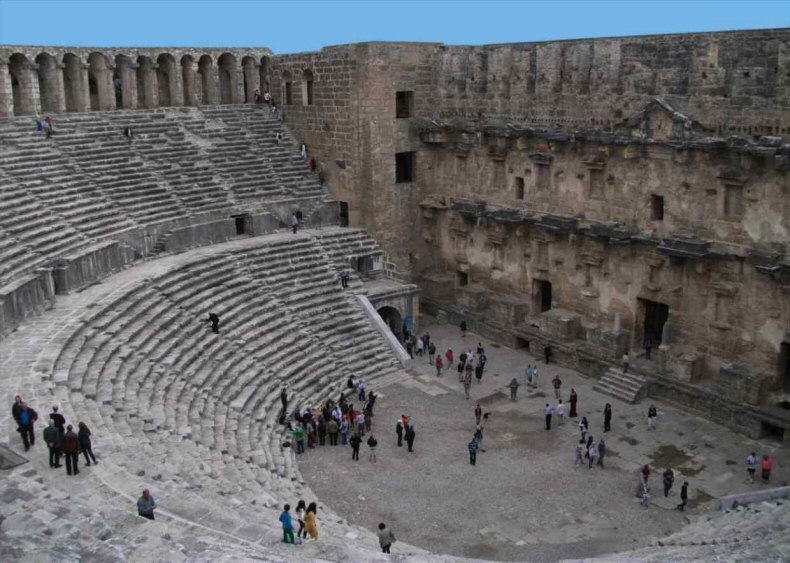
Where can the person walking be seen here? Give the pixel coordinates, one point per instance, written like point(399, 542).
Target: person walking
point(644, 475)
point(478, 414)
point(439, 364)
point(573, 399)
point(766, 465)
point(583, 427)
point(684, 496)
point(587, 447)
point(146, 505)
point(607, 418)
point(420, 346)
point(528, 375)
point(54, 443)
point(547, 412)
point(449, 356)
point(355, 442)
point(301, 533)
point(473, 445)
point(309, 520)
point(463, 329)
point(547, 353)
point(626, 362)
point(560, 410)
point(556, 383)
point(513, 388)
point(591, 452)
point(652, 414)
point(669, 479)
point(214, 320)
point(25, 418)
point(431, 353)
point(59, 420)
point(332, 430)
point(372, 443)
point(285, 519)
point(601, 452)
point(410, 435)
point(399, 432)
point(578, 450)
point(386, 538)
point(479, 373)
point(467, 383)
point(751, 466)
point(84, 438)
point(71, 447)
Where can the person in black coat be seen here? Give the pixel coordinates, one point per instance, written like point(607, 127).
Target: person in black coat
point(58, 419)
point(25, 417)
point(410, 434)
point(399, 432)
point(84, 439)
point(355, 442)
point(54, 442)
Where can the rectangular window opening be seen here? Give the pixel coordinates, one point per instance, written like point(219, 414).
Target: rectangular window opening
point(404, 167)
point(657, 207)
point(543, 177)
point(404, 104)
point(519, 187)
point(733, 200)
point(288, 93)
point(463, 278)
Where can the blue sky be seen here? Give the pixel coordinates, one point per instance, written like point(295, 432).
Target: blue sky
point(288, 27)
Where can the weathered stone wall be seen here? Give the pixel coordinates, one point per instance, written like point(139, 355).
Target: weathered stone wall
point(25, 298)
point(83, 268)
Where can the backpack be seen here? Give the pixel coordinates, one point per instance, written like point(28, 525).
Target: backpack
point(24, 417)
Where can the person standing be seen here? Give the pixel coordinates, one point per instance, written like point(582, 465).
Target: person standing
point(547, 353)
point(547, 412)
point(751, 466)
point(535, 376)
point(463, 328)
point(59, 420)
point(386, 538)
point(285, 520)
point(355, 442)
point(146, 505)
point(684, 496)
point(298, 437)
point(574, 399)
point(71, 447)
point(449, 356)
point(591, 451)
point(25, 418)
point(601, 452)
point(399, 432)
point(467, 383)
point(528, 375)
point(301, 533)
point(438, 365)
point(479, 373)
point(284, 401)
point(410, 435)
point(344, 428)
point(766, 465)
point(84, 438)
point(626, 362)
point(214, 320)
point(431, 353)
point(372, 443)
point(669, 479)
point(473, 451)
point(579, 455)
point(583, 427)
point(361, 387)
point(478, 414)
point(320, 427)
point(294, 223)
point(607, 418)
point(557, 383)
point(332, 430)
point(513, 388)
point(420, 346)
point(651, 417)
point(560, 410)
point(54, 442)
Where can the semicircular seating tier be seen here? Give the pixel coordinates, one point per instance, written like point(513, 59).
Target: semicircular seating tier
point(183, 166)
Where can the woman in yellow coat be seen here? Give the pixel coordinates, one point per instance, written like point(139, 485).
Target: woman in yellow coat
point(309, 520)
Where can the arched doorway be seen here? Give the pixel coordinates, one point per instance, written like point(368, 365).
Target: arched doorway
point(145, 82)
point(393, 320)
point(122, 82)
point(21, 88)
point(166, 79)
point(48, 83)
point(227, 78)
point(99, 82)
point(72, 82)
point(188, 73)
point(264, 74)
point(206, 71)
point(251, 79)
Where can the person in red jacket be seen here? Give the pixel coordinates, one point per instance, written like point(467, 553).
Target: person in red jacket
point(449, 356)
point(766, 466)
point(438, 365)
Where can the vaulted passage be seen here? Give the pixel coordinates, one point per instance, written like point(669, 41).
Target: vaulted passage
point(21, 86)
point(227, 78)
point(207, 88)
point(166, 79)
point(393, 319)
point(48, 83)
point(72, 82)
point(655, 315)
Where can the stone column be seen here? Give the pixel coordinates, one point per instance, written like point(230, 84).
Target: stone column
point(61, 88)
point(216, 96)
point(666, 335)
point(84, 94)
point(189, 81)
point(177, 90)
point(129, 83)
point(238, 86)
point(6, 92)
point(154, 85)
point(34, 89)
point(107, 88)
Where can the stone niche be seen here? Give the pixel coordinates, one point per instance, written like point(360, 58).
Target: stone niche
point(560, 325)
point(472, 298)
point(737, 382)
point(438, 288)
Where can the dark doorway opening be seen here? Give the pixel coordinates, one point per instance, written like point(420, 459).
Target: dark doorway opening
point(344, 214)
point(772, 432)
point(393, 320)
point(243, 226)
point(542, 293)
point(404, 167)
point(522, 343)
point(656, 314)
point(404, 102)
point(784, 365)
point(463, 278)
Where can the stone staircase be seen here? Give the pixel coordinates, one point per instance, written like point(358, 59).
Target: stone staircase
point(624, 386)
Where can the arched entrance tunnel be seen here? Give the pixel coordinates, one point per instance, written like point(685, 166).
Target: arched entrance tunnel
point(393, 319)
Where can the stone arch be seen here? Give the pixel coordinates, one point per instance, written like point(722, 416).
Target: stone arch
point(21, 84)
point(307, 87)
point(166, 79)
point(251, 79)
point(145, 82)
point(99, 82)
point(207, 87)
point(73, 82)
point(226, 65)
point(264, 73)
point(188, 73)
point(48, 83)
point(122, 81)
point(393, 319)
